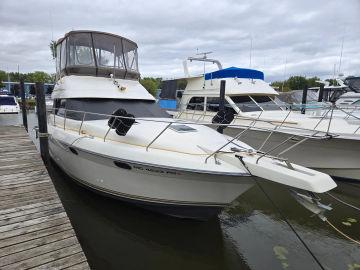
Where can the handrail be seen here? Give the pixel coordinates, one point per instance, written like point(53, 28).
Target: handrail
point(147, 147)
point(179, 121)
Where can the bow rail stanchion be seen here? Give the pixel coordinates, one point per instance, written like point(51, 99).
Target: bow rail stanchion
point(147, 147)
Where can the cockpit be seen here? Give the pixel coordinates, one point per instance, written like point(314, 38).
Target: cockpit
point(96, 54)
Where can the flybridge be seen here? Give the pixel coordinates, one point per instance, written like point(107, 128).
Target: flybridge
point(233, 72)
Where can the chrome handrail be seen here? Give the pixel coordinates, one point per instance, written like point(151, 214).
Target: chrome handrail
point(147, 147)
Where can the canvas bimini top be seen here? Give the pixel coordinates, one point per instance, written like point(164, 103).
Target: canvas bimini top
point(233, 72)
point(96, 53)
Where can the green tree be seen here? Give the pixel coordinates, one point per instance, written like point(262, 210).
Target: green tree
point(150, 84)
point(52, 47)
point(297, 82)
point(311, 82)
point(3, 77)
point(181, 84)
point(39, 76)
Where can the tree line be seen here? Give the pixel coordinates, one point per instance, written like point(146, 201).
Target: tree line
point(36, 76)
point(153, 84)
point(298, 83)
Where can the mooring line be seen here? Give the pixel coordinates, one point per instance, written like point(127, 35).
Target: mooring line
point(291, 227)
point(343, 234)
point(341, 201)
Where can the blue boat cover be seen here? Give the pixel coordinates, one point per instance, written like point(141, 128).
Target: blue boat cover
point(233, 72)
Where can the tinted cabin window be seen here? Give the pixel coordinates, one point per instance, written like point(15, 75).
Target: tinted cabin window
point(245, 104)
point(212, 105)
point(139, 108)
point(61, 106)
point(266, 103)
point(196, 103)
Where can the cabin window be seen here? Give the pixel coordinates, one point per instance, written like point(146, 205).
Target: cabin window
point(63, 54)
point(245, 104)
point(80, 50)
point(59, 106)
point(356, 102)
point(58, 52)
point(196, 103)
point(108, 51)
point(76, 106)
point(130, 56)
point(266, 103)
point(212, 105)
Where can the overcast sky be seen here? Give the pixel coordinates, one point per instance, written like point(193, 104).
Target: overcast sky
point(306, 34)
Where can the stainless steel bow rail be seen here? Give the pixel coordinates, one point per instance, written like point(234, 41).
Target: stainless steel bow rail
point(301, 137)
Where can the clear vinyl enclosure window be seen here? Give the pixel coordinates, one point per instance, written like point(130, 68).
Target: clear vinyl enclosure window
point(80, 50)
point(98, 54)
point(63, 54)
point(108, 51)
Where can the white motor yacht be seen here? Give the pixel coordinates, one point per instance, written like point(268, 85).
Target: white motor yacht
point(326, 143)
point(8, 105)
point(107, 133)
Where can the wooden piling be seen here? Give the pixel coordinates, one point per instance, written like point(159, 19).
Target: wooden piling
point(23, 104)
point(303, 100)
point(42, 121)
point(321, 93)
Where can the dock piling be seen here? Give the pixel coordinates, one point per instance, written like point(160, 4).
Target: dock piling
point(321, 93)
point(303, 100)
point(23, 104)
point(41, 112)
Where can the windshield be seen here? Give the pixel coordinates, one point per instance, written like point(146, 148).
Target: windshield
point(7, 101)
point(138, 108)
point(245, 104)
point(266, 103)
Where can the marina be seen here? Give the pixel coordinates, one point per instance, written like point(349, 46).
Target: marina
point(252, 224)
point(183, 135)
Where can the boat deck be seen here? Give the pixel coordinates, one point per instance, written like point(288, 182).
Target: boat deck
point(35, 231)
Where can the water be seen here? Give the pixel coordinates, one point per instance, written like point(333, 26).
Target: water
point(251, 234)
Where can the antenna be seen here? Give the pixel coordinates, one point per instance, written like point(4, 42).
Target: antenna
point(204, 56)
point(251, 44)
point(51, 26)
point(341, 53)
point(282, 87)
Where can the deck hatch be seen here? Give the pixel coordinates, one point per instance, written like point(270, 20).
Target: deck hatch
point(182, 128)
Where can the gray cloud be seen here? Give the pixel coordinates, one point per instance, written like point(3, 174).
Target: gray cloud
point(306, 33)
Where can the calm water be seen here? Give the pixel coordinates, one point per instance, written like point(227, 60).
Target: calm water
point(251, 234)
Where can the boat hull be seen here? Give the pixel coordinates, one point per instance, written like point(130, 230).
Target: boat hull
point(177, 193)
point(338, 157)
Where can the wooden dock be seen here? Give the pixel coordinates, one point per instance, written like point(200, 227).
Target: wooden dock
point(35, 231)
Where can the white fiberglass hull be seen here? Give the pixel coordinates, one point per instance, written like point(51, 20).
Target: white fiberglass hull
point(177, 193)
point(337, 157)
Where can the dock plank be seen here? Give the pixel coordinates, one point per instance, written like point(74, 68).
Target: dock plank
point(35, 231)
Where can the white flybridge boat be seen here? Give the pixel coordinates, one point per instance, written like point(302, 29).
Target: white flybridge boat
point(325, 143)
point(107, 132)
